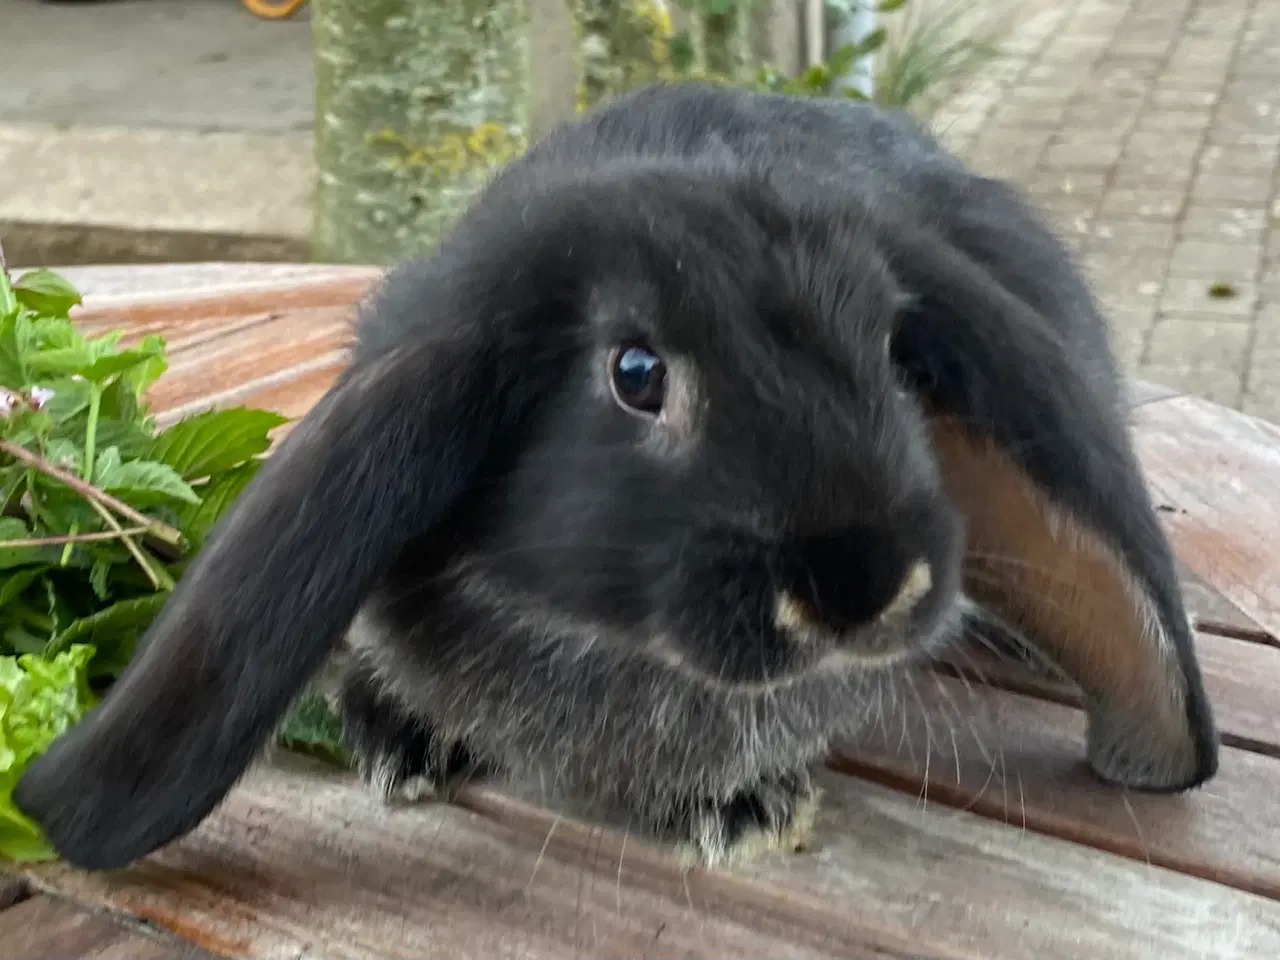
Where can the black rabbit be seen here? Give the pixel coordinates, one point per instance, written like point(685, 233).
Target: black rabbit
point(643, 480)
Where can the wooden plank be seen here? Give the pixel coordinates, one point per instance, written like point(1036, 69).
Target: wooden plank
point(1138, 393)
point(1219, 471)
point(949, 879)
point(342, 293)
point(300, 861)
point(104, 285)
point(1021, 760)
point(1211, 612)
point(1242, 679)
point(226, 365)
point(45, 928)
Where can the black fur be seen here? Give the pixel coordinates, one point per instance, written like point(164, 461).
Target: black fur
point(550, 585)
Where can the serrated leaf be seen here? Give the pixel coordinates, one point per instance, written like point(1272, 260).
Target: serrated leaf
point(48, 333)
point(15, 341)
point(312, 728)
point(46, 292)
point(149, 371)
point(215, 497)
point(98, 575)
point(208, 443)
point(141, 482)
point(13, 585)
point(111, 627)
point(70, 399)
point(12, 528)
point(105, 367)
point(59, 361)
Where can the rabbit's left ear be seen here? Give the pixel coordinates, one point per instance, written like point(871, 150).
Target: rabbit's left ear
point(1063, 540)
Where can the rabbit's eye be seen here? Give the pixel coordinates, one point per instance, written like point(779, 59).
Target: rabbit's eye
point(638, 378)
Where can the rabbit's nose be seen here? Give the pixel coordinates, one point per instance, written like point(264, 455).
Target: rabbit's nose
point(795, 615)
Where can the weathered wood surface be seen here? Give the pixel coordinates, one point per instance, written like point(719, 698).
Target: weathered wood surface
point(968, 826)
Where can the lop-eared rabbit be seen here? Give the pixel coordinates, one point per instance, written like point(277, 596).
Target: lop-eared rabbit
point(716, 408)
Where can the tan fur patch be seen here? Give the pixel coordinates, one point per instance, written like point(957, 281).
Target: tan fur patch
point(1047, 575)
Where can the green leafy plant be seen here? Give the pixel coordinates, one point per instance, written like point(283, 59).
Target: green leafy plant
point(40, 698)
point(934, 49)
point(101, 512)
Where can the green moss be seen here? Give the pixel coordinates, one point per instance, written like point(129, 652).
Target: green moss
point(417, 102)
point(621, 44)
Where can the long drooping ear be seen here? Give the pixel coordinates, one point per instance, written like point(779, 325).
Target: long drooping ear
point(1064, 543)
point(380, 460)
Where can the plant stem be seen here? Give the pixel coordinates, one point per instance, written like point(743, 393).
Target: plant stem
point(158, 576)
point(73, 538)
point(90, 438)
point(91, 493)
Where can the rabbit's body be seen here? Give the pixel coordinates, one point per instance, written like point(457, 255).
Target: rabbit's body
point(636, 488)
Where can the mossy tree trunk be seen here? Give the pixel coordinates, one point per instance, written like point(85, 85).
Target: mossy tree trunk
point(417, 102)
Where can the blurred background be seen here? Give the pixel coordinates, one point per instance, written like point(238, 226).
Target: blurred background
point(356, 130)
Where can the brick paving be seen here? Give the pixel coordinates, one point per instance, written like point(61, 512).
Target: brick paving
point(1149, 130)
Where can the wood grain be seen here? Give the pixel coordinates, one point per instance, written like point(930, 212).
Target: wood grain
point(44, 928)
point(1021, 760)
point(301, 862)
point(1218, 472)
point(107, 285)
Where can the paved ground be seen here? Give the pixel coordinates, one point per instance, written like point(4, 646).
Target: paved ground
point(1149, 129)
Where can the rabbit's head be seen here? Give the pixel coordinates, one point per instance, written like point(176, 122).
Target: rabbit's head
point(720, 470)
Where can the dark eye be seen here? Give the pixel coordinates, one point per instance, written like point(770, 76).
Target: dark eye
point(638, 378)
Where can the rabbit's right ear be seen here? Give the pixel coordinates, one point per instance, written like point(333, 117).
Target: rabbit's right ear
point(1064, 542)
point(381, 460)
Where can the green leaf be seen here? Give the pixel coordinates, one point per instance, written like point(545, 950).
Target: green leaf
point(208, 443)
point(128, 438)
point(46, 292)
point(40, 699)
point(142, 376)
point(12, 528)
point(112, 631)
point(13, 585)
point(312, 728)
point(50, 332)
point(215, 497)
point(60, 361)
point(98, 577)
point(8, 302)
point(888, 6)
point(141, 482)
point(70, 399)
point(15, 342)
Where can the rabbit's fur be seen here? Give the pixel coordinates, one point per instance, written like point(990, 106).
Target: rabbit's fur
point(673, 614)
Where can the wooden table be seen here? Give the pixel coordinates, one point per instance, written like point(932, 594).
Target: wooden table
point(983, 839)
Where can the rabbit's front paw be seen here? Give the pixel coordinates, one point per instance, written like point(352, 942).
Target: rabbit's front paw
point(399, 755)
point(775, 815)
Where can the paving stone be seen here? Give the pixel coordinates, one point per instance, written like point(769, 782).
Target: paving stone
point(1227, 188)
point(1229, 261)
point(1262, 376)
point(1203, 358)
point(1209, 295)
point(1143, 204)
point(1150, 139)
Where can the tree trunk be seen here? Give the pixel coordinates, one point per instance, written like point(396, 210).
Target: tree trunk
point(417, 103)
